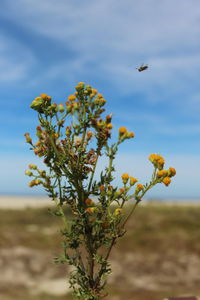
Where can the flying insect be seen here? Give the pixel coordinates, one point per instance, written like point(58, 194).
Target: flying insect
point(142, 68)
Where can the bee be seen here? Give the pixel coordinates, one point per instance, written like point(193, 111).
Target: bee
point(142, 68)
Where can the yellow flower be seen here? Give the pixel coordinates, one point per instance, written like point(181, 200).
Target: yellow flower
point(152, 157)
point(71, 98)
point(88, 201)
point(80, 86)
point(38, 98)
point(32, 167)
point(122, 130)
point(162, 173)
point(38, 144)
point(29, 173)
point(121, 191)
point(31, 183)
point(130, 135)
point(157, 160)
point(118, 211)
point(102, 101)
point(171, 172)
point(109, 126)
point(35, 182)
point(89, 135)
point(139, 187)
point(56, 135)
point(125, 178)
point(61, 108)
point(166, 181)
point(38, 181)
point(160, 163)
point(28, 138)
point(102, 188)
point(45, 97)
point(90, 210)
point(132, 180)
point(99, 96)
point(94, 91)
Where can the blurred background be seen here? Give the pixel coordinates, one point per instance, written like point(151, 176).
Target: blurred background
point(48, 47)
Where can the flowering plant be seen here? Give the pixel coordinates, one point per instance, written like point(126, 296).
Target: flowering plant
point(66, 134)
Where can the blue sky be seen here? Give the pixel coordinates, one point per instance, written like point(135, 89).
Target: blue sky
point(48, 46)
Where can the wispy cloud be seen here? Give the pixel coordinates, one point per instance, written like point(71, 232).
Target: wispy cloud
point(43, 43)
point(119, 35)
point(15, 60)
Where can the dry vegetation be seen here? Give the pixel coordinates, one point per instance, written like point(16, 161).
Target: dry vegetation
point(158, 257)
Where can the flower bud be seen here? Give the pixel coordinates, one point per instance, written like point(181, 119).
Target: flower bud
point(45, 97)
point(76, 106)
point(171, 172)
point(61, 108)
point(80, 86)
point(125, 178)
point(68, 131)
point(132, 180)
point(89, 135)
point(102, 188)
point(108, 118)
point(37, 104)
point(102, 101)
point(109, 126)
point(77, 140)
point(53, 107)
point(28, 173)
point(32, 167)
point(72, 98)
point(88, 89)
point(130, 135)
point(31, 183)
point(42, 173)
point(122, 130)
point(28, 138)
point(120, 192)
point(69, 107)
point(157, 160)
point(90, 210)
point(60, 122)
point(139, 188)
point(88, 201)
point(38, 181)
point(162, 173)
point(118, 211)
point(166, 181)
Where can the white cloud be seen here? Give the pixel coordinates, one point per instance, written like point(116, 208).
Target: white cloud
point(150, 24)
point(15, 60)
point(117, 36)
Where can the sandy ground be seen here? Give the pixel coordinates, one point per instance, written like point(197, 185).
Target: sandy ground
point(22, 202)
point(32, 270)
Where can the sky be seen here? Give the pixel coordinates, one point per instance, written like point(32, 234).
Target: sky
point(49, 46)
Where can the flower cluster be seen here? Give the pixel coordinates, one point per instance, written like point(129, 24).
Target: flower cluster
point(163, 176)
point(124, 134)
point(71, 137)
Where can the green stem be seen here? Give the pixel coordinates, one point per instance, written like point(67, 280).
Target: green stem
point(92, 175)
point(129, 215)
